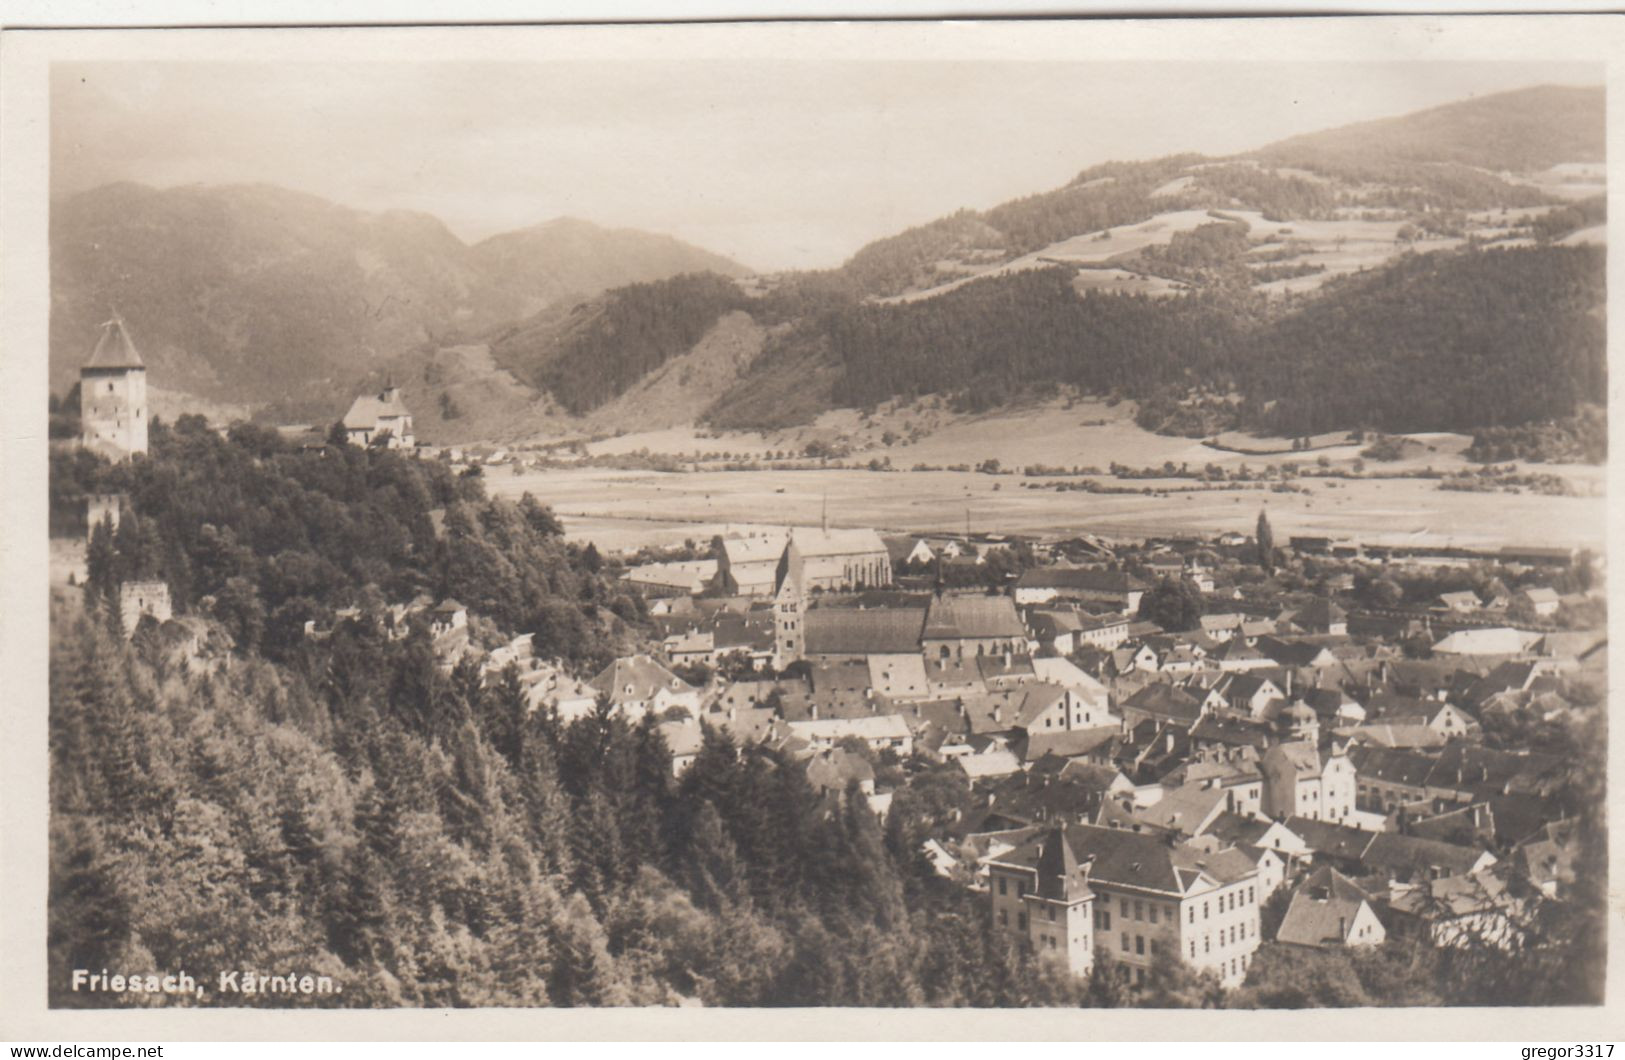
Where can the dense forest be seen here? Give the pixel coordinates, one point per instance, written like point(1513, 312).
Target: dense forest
point(268, 537)
point(1442, 341)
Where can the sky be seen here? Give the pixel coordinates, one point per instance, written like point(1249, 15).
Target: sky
point(779, 165)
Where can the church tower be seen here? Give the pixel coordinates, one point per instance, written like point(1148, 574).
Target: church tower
point(113, 395)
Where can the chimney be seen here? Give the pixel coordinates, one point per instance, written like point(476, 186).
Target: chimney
point(815, 712)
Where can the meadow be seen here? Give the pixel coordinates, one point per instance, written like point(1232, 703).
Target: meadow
point(627, 509)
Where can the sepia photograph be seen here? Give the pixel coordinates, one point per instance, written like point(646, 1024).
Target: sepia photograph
point(736, 519)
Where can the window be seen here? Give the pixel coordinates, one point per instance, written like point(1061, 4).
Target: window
point(1125, 942)
point(1106, 919)
point(1193, 914)
point(1193, 949)
point(1004, 918)
point(1153, 911)
point(1139, 945)
point(1021, 921)
point(1052, 914)
point(1139, 909)
point(1002, 883)
point(1249, 896)
point(1204, 910)
point(1125, 907)
point(1207, 944)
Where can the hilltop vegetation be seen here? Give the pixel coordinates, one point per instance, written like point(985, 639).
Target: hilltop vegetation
point(1396, 275)
point(1443, 341)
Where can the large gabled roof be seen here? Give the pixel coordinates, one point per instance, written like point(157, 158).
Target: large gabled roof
point(960, 617)
point(851, 631)
point(114, 349)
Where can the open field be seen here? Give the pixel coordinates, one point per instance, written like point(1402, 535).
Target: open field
point(1088, 434)
point(625, 509)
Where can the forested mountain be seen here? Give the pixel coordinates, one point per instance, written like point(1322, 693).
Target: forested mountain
point(1262, 278)
point(1441, 341)
point(254, 293)
point(1525, 130)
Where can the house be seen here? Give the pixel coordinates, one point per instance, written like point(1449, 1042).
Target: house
point(140, 599)
point(1389, 779)
point(1187, 809)
point(1118, 590)
point(833, 771)
point(1103, 632)
point(1236, 654)
point(1249, 694)
point(113, 416)
point(447, 616)
point(957, 627)
point(1076, 890)
point(1329, 910)
point(993, 762)
point(683, 739)
point(1071, 677)
point(1045, 707)
point(682, 578)
point(879, 731)
point(1242, 831)
point(382, 418)
point(1547, 858)
point(899, 676)
point(1462, 602)
point(1057, 631)
point(1542, 600)
point(1067, 744)
point(694, 646)
point(1331, 844)
point(1448, 721)
point(1299, 783)
point(1409, 858)
point(1161, 703)
point(1222, 627)
point(638, 685)
point(553, 689)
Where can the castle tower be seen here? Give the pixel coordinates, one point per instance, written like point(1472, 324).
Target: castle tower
point(113, 395)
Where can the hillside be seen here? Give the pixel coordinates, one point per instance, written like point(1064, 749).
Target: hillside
point(1524, 131)
point(568, 260)
point(1257, 292)
point(254, 294)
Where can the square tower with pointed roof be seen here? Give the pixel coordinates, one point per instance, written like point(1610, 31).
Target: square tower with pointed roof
point(113, 395)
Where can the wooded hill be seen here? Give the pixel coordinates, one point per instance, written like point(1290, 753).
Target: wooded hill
point(1492, 323)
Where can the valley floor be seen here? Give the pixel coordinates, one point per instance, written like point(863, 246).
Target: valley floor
point(626, 509)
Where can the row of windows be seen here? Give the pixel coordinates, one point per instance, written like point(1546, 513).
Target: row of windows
point(1227, 902)
point(1139, 944)
point(1227, 936)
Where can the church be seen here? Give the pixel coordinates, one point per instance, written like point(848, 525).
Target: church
point(380, 416)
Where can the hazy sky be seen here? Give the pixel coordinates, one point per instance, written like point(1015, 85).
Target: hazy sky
point(780, 165)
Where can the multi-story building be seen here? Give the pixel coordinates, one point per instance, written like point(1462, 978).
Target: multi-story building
point(1299, 783)
point(1140, 895)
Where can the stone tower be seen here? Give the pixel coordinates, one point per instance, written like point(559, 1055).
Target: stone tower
point(113, 395)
